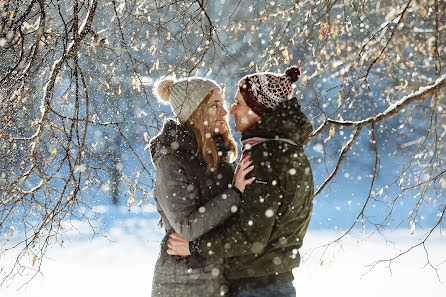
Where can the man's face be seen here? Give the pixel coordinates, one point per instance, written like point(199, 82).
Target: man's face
point(244, 117)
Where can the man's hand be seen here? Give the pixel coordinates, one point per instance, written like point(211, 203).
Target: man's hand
point(178, 246)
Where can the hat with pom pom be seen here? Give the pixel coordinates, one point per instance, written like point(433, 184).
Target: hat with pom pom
point(263, 91)
point(184, 95)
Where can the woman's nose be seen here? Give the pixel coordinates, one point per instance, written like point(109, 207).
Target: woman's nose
point(224, 111)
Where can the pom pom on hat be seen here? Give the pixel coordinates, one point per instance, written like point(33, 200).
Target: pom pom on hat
point(162, 89)
point(293, 73)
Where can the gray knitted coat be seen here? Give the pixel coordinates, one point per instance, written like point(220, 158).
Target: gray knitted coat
point(190, 202)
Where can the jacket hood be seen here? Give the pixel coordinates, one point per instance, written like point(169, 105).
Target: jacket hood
point(286, 121)
point(179, 138)
point(174, 137)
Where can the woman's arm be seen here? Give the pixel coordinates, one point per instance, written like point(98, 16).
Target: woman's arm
point(177, 198)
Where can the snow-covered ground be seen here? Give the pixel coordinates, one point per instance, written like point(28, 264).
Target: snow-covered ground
point(123, 266)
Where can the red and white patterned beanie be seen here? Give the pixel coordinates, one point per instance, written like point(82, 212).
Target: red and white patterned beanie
point(264, 91)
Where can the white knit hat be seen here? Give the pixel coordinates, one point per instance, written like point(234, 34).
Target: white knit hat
point(184, 95)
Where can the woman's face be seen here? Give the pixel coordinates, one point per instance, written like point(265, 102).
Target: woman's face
point(217, 113)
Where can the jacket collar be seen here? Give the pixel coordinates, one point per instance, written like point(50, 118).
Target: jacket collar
point(287, 121)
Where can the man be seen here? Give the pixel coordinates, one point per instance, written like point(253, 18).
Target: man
point(261, 241)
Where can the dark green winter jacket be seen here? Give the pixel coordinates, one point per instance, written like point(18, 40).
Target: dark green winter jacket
point(263, 238)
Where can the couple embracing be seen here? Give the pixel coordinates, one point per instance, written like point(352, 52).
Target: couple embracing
point(231, 231)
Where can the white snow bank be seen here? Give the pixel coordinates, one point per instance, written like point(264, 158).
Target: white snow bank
point(124, 267)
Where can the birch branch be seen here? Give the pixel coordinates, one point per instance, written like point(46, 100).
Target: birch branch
point(48, 91)
point(393, 109)
point(344, 151)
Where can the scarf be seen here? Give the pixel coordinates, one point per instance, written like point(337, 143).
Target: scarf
point(248, 143)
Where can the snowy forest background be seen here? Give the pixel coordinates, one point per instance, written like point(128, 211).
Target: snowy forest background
point(77, 110)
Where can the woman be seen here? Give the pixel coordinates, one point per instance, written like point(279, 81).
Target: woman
point(195, 187)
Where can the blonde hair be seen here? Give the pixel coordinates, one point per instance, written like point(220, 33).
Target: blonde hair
point(206, 144)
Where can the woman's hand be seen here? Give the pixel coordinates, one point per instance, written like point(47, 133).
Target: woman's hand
point(178, 246)
point(243, 169)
